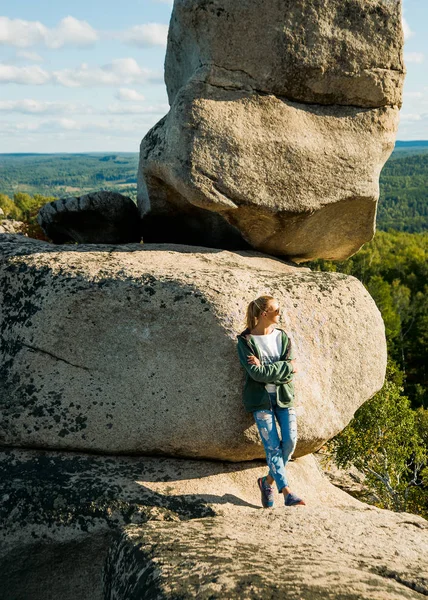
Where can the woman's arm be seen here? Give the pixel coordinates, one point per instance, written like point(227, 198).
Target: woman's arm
point(278, 371)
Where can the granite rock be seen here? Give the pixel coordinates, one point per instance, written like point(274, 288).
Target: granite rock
point(96, 218)
point(132, 349)
point(311, 51)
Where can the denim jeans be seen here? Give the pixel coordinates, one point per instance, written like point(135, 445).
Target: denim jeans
point(278, 452)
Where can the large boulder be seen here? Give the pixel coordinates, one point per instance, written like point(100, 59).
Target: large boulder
point(281, 119)
point(96, 218)
point(296, 180)
point(132, 349)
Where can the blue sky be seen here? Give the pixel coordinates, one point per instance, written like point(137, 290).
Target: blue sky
point(87, 75)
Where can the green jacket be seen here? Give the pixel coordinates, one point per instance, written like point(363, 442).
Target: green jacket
point(280, 373)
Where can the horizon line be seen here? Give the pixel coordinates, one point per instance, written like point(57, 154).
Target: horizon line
point(103, 152)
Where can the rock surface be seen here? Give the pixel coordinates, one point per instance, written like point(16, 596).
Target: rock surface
point(60, 513)
point(96, 218)
point(168, 528)
point(132, 349)
point(277, 129)
point(11, 226)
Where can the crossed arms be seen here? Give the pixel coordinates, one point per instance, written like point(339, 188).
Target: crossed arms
point(278, 372)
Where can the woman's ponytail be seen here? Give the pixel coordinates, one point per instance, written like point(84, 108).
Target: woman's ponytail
point(254, 310)
point(251, 317)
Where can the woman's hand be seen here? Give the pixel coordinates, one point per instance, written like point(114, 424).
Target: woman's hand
point(253, 360)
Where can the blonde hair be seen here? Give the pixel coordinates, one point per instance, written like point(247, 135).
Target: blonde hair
point(255, 308)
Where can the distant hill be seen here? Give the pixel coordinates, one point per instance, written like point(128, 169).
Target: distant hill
point(403, 201)
point(68, 174)
point(412, 144)
point(410, 147)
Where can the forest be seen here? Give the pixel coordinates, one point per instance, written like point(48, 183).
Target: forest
point(388, 438)
point(63, 175)
point(403, 201)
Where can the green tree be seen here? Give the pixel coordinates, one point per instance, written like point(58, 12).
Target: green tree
point(32, 227)
point(24, 202)
point(394, 268)
point(10, 210)
point(381, 293)
point(387, 441)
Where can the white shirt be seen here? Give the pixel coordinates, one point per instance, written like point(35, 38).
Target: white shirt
point(270, 347)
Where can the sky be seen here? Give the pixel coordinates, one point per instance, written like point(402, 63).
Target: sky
point(87, 75)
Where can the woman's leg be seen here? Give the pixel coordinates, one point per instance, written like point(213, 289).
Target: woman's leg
point(288, 425)
point(266, 425)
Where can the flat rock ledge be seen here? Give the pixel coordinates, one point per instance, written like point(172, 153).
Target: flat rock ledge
point(104, 528)
point(132, 349)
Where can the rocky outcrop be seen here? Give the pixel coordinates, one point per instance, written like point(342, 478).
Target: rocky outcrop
point(104, 528)
point(97, 218)
point(11, 226)
point(281, 131)
point(132, 349)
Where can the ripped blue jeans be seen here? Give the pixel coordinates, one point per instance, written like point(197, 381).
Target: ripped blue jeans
point(278, 452)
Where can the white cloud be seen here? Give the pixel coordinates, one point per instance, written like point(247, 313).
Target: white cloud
point(46, 125)
point(64, 124)
point(29, 106)
point(54, 126)
point(74, 32)
point(16, 32)
point(32, 75)
point(119, 71)
point(71, 31)
point(413, 57)
point(408, 33)
point(35, 107)
point(410, 117)
point(32, 56)
point(137, 109)
point(150, 34)
point(129, 95)
point(24, 34)
point(122, 71)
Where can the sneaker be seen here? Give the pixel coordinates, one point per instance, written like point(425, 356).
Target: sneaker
point(293, 500)
point(267, 492)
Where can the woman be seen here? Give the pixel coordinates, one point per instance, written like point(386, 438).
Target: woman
point(265, 353)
